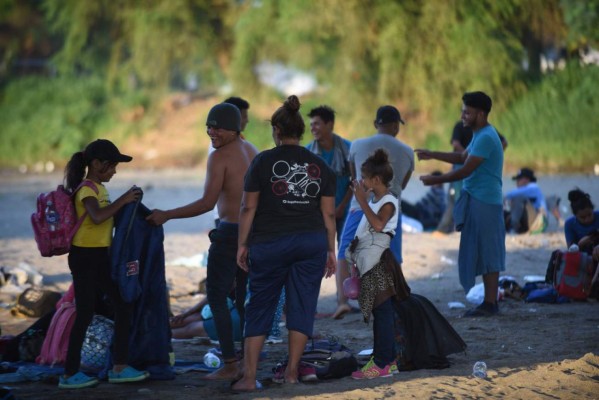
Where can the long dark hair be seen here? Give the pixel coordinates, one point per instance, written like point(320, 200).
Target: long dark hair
point(74, 172)
point(288, 119)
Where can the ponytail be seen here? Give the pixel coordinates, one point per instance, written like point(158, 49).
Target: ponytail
point(74, 172)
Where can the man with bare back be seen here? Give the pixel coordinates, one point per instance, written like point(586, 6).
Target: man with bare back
point(226, 170)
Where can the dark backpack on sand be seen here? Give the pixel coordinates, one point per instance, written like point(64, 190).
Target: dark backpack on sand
point(330, 359)
point(34, 303)
point(330, 364)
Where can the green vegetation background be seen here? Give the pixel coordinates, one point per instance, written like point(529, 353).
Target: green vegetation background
point(107, 58)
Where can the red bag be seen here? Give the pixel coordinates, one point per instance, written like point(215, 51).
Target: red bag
point(56, 343)
point(573, 274)
point(58, 241)
point(351, 285)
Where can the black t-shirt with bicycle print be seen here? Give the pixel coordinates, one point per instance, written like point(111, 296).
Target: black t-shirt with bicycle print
point(291, 180)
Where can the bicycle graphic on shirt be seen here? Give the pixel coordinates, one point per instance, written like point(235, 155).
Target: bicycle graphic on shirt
point(299, 180)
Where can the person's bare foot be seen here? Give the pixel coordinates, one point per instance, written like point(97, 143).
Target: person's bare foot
point(229, 372)
point(245, 385)
point(342, 309)
point(290, 379)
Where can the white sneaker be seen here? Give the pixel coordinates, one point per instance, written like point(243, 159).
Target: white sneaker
point(273, 340)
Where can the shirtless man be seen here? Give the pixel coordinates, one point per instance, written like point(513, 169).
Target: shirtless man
point(226, 169)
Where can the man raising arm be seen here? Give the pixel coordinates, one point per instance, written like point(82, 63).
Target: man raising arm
point(478, 212)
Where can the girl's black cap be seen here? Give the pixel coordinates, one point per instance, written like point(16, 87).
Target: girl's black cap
point(105, 150)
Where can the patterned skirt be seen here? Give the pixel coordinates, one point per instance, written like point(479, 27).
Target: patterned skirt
point(376, 286)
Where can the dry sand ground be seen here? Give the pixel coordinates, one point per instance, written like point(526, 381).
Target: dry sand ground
point(545, 351)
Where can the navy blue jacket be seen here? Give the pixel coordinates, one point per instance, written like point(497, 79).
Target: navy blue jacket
point(138, 268)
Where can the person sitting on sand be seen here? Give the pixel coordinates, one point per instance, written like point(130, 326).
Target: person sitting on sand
point(582, 228)
point(525, 208)
point(198, 321)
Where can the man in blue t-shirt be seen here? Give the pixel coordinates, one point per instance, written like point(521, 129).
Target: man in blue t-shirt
point(478, 212)
point(335, 151)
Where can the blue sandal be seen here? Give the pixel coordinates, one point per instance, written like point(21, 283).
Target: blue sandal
point(77, 381)
point(129, 374)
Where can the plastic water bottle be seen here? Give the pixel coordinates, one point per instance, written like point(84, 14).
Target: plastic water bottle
point(52, 217)
point(573, 248)
point(480, 369)
point(211, 360)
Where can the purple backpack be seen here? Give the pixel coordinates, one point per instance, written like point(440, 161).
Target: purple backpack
point(57, 241)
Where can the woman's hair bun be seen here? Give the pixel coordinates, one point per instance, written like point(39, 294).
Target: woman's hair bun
point(380, 156)
point(292, 103)
point(576, 194)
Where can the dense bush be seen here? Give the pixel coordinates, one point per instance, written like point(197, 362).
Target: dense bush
point(49, 119)
point(551, 127)
point(554, 126)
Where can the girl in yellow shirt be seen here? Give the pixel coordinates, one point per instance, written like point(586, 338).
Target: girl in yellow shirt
point(89, 261)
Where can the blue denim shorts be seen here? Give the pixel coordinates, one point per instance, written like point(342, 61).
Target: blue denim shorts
point(395, 244)
point(349, 231)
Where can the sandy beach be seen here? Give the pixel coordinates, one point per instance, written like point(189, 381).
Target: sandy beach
point(532, 350)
